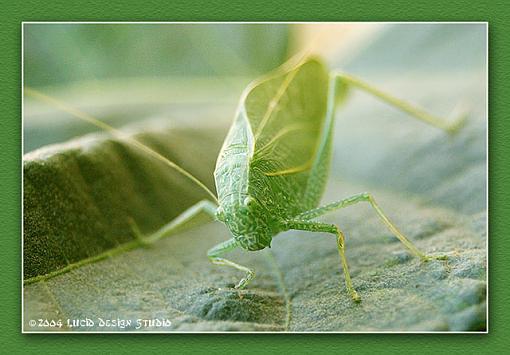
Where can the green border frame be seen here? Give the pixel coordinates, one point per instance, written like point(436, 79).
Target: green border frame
point(13, 13)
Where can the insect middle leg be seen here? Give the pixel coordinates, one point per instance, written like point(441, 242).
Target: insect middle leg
point(312, 226)
point(214, 256)
point(366, 197)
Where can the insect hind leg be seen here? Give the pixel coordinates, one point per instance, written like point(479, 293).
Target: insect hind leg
point(224, 247)
point(449, 126)
point(366, 197)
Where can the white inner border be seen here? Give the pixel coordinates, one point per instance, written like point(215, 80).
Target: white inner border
point(259, 22)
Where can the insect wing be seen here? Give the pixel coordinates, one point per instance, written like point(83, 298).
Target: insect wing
point(232, 165)
point(273, 143)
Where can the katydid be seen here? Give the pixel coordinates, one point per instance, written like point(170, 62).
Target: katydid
point(272, 170)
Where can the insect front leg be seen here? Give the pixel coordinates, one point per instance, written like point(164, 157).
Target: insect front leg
point(366, 197)
point(311, 226)
point(224, 247)
point(204, 206)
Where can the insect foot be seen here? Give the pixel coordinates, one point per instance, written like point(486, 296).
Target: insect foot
point(427, 258)
point(249, 276)
point(355, 296)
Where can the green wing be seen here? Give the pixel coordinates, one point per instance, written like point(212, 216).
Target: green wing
point(286, 112)
point(277, 139)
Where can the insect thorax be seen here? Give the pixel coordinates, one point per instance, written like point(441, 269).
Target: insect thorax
point(251, 226)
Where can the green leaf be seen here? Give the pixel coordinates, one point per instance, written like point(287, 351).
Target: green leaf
point(299, 284)
point(81, 197)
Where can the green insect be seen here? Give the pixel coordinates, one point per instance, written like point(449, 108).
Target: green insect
point(274, 164)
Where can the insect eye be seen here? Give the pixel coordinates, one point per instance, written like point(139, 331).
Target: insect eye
point(248, 201)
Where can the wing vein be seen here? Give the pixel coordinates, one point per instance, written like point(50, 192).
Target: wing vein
point(273, 104)
point(284, 131)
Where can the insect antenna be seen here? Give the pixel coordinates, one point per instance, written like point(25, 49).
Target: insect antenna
point(61, 105)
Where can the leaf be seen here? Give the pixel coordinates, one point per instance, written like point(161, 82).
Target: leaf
point(80, 197)
point(299, 284)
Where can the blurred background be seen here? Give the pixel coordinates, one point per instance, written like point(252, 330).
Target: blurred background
point(193, 74)
point(125, 72)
